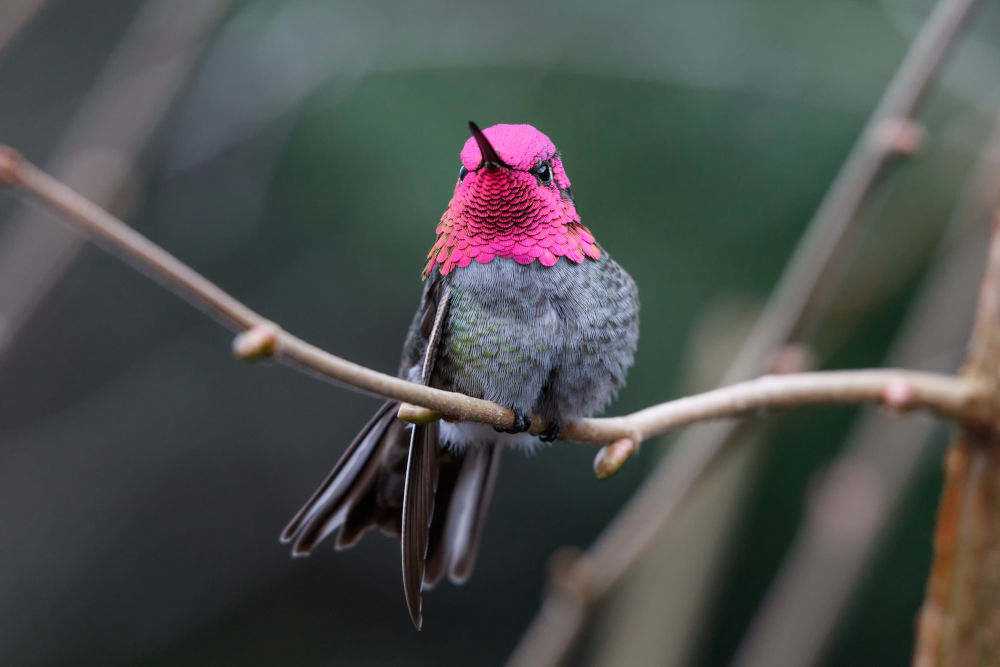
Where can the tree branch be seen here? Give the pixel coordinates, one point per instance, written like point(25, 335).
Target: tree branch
point(963, 399)
point(14, 16)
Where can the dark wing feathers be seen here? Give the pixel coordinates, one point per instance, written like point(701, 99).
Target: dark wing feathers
point(418, 505)
point(434, 337)
point(421, 478)
point(362, 489)
point(435, 499)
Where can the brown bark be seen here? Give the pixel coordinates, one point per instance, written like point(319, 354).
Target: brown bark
point(959, 622)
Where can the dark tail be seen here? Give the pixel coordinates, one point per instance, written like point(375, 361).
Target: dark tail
point(401, 481)
point(465, 486)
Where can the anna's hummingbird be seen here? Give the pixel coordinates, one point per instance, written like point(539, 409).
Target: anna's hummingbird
point(522, 307)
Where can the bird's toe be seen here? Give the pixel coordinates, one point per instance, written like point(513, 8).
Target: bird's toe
point(522, 422)
point(551, 432)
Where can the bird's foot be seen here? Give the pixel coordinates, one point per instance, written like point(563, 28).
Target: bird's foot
point(522, 423)
point(551, 432)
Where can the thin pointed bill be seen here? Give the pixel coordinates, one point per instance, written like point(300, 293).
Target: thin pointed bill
point(490, 158)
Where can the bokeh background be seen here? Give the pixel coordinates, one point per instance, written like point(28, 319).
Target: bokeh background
point(299, 153)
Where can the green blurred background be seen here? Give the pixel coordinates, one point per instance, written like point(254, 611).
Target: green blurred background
point(302, 163)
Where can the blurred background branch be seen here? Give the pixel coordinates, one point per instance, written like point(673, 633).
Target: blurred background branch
point(99, 153)
point(859, 493)
point(15, 15)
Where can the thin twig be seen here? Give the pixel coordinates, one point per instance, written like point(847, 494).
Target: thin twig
point(800, 293)
point(965, 400)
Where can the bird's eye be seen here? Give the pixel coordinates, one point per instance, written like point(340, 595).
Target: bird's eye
point(544, 172)
point(462, 171)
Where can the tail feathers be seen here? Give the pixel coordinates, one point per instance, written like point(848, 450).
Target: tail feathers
point(401, 481)
point(468, 509)
point(359, 519)
point(349, 495)
point(438, 553)
point(465, 488)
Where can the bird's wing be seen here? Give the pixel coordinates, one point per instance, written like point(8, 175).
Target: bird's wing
point(418, 504)
point(365, 487)
point(422, 463)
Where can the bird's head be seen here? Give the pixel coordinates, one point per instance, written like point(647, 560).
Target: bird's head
point(513, 200)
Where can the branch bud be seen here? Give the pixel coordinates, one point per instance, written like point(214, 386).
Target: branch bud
point(898, 394)
point(901, 136)
point(259, 342)
point(416, 414)
point(611, 458)
point(10, 165)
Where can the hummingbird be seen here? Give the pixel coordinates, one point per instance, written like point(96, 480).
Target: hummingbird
point(520, 306)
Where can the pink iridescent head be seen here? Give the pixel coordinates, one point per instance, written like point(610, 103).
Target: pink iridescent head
point(512, 200)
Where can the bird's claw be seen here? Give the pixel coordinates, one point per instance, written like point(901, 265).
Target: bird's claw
point(522, 423)
point(551, 432)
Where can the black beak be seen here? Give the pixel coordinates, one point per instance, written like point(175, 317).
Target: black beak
point(490, 158)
